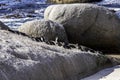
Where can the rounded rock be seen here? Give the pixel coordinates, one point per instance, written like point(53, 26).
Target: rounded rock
point(46, 29)
point(87, 24)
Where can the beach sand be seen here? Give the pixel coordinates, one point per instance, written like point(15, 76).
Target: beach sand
point(106, 74)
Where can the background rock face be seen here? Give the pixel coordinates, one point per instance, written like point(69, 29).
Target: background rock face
point(87, 24)
point(3, 26)
point(48, 30)
point(71, 1)
point(24, 59)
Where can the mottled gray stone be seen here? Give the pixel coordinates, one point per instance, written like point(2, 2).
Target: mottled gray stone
point(88, 24)
point(24, 59)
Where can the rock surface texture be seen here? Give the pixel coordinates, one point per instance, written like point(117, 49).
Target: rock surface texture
point(48, 30)
point(3, 26)
point(24, 59)
point(71, 1)
point(88, 24)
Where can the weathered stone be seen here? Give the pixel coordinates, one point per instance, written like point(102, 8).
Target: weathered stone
point(48, 30)
point(24, 59)
point(88, 24)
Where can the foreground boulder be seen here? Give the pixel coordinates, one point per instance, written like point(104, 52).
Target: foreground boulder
point(24, 59)
point(88, 24)
point(71, 1)
point(3, 26)
point(48, 30)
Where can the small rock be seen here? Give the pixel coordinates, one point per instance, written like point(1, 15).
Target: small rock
point(44, 29)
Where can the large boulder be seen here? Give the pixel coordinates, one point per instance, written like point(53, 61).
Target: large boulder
point(88, 24)
point(3, 26)
point(71, 1)
point(24, 59)
point(46, 29)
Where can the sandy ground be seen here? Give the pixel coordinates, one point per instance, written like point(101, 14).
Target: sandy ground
point(106, 74)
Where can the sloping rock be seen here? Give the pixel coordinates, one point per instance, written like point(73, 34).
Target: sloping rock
point(24, 59)
point(88, 24)
point(48, 30)
point(3, 26)
point(71, 1)
point(115, 58)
